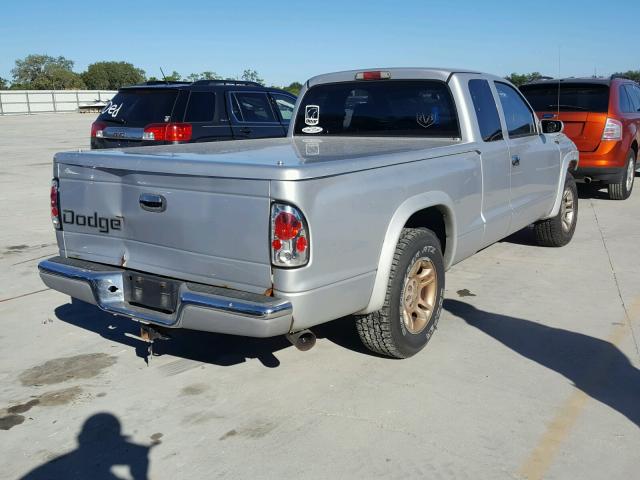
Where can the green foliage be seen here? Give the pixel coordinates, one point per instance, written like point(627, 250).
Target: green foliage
point(173, 77)
point(42, 72)
point(3, 84)
point(294, 88)
point(250, 75)
point(521, 78)
point(111, 75)
point(203, 76)
point(632, 74)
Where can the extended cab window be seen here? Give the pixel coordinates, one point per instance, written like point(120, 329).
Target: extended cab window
point(139, 106)
point(201, 107)
point(420, 108)
point(574, 97)
point(252, 107)
point(486, 110)
point(519, 118)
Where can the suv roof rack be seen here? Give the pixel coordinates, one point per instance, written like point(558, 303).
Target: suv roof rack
point(245, 83)
point(620, 75)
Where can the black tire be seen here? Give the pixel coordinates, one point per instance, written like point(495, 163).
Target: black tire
point(622, 189)
point(558, 231)
point(385, 331)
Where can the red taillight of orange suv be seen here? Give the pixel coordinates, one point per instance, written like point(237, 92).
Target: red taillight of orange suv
point(602, 117)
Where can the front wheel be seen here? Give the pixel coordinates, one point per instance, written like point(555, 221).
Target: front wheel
point(413, 300)
point(622, 189)
point(558, 231)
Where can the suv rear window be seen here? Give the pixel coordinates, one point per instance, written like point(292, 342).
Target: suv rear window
point(140, 106)
point(421, 108)
point(574, 97)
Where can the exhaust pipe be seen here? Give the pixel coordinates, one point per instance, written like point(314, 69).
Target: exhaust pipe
point(587, 180)
point(303, 340)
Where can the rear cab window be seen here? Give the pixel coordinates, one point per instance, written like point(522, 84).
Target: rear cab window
point(139, 107)
point(574, 97)
point(419, 108)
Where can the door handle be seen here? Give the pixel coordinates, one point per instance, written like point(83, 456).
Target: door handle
point(152, 202)
point(515, 160)
point(245, 130)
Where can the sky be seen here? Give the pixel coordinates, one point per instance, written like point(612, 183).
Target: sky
point(293, 41)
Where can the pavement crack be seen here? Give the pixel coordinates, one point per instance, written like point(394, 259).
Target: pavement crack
point(24, 295)
point(615, 279)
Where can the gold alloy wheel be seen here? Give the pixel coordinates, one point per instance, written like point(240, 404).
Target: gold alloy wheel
point(567, 209)
point(419, 295)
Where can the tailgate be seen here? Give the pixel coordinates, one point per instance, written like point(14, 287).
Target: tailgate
point(208, 230)
point(584, 128)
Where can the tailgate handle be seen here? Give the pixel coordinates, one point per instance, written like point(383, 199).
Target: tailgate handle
point(152, 202)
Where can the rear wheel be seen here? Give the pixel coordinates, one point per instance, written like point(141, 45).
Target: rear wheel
point(413, 300)
point(622, 189)
point(558, 231)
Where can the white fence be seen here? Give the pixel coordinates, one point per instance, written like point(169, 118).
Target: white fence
point(50, 101)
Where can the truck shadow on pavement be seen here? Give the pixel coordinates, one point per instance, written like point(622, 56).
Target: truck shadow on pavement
point(101, 446)
point(212, 348)
point(597, 367)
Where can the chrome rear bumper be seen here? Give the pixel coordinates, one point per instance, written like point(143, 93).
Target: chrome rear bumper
point(199, 307)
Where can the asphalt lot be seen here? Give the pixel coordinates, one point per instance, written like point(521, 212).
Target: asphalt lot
point(533, 372)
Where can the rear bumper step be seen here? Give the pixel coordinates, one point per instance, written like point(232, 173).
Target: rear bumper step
point(198, 307)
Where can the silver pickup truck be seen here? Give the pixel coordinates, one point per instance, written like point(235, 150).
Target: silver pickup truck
point(386, 179)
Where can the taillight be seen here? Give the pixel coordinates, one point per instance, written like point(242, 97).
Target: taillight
point(168, 132)
point(97, 129)
point(373, 75)
point(612, 130)
point(55, 204)
point(289, 237)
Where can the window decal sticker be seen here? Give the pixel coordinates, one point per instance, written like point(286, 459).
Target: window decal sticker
point(312, 115)
point(112, 109)
point(312, 129)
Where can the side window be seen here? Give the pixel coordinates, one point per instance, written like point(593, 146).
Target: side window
point(201, 107)
point(520, 120)
point(285, 105)
point(486, 110)
point(624, 99)
point(252, 107)
point(634, 96)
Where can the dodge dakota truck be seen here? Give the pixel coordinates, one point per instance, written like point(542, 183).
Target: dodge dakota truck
point(386, 179)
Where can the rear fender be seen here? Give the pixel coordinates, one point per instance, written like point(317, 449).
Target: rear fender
point(570, 161)
point(397, 223)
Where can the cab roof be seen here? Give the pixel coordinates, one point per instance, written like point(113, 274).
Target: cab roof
point(398, 73)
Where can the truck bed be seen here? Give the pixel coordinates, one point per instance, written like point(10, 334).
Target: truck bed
point(268, 159)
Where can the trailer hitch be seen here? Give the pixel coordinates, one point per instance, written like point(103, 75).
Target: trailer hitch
point(149, 335)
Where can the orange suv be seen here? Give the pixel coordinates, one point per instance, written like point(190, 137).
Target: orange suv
point(602, 117)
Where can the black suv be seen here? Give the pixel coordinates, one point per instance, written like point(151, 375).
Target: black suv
point(159, 113)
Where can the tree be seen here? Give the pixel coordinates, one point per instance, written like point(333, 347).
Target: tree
point(42, 72)
point(521, 78)
point(250, 75)
point(294, 88)
point(203, 76)
point(3, 84)
point(632, 74)
point(112, 75)
point(173, 77)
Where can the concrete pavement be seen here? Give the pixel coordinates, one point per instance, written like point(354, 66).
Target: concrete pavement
point(533, 372)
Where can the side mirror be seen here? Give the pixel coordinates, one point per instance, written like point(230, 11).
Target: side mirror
point(552, 126)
